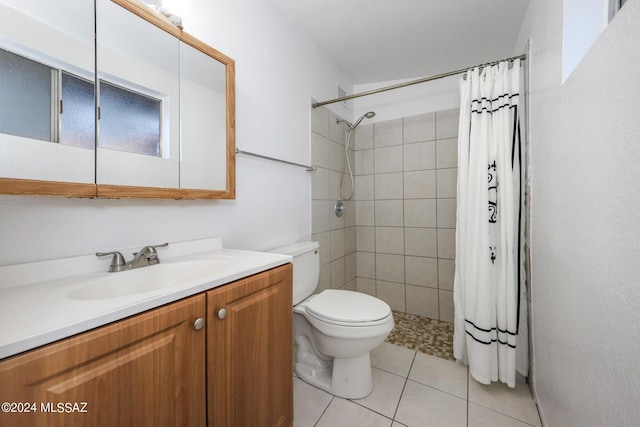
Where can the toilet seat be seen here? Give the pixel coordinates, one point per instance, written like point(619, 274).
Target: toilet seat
point(347, 308)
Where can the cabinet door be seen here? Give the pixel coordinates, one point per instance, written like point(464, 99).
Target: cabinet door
point(250, 356)
point(147, 370)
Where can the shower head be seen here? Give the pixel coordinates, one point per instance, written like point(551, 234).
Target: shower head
point(368, 115)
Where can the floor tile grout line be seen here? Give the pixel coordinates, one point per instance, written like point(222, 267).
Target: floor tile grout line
point(363, 406)
point(404, 386)
point(325, 410)
point(370, 410)
point(424, 383)
point(389, 372)
point(488, 408)
point(481, 405)
point(468, 385)
point(406, 378)
point(437, 389)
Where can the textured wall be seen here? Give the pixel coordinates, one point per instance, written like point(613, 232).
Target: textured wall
point(585, 159)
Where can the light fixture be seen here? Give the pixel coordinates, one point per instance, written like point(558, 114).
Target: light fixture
point(166, 9)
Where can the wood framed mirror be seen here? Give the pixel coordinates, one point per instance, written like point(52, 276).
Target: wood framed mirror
point(163, 119)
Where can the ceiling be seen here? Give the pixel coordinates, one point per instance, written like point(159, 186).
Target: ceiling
point(380, 40)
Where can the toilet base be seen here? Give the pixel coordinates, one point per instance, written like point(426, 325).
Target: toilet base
point(347, 378)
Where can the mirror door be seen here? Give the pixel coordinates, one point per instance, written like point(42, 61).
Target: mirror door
point(138, 68)
point(47, 111)
point(202, 89)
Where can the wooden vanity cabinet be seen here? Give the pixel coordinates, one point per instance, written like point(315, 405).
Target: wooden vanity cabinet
point(249, 351)
point(160, 368)
point(147, 370)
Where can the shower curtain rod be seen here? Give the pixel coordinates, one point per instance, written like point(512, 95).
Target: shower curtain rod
point(413, 82)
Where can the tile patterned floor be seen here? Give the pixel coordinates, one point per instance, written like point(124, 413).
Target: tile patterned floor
point(423, 334)
point(414, 389)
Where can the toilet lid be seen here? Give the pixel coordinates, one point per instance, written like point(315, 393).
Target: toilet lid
point(347, 306)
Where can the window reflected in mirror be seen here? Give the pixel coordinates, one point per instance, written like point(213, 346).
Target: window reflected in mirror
point(44, 103)
point(129, 121)
point(77, 112)
point(25, 104)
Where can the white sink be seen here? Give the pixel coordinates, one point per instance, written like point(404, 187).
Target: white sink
point(77, 294)
point(149, 279)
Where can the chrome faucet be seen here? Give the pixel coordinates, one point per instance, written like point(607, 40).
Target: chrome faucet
point(144, 257)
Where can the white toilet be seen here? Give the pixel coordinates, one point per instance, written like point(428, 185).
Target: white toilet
point(333, 330)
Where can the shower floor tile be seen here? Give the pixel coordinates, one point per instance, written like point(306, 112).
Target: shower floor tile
point(425, 335)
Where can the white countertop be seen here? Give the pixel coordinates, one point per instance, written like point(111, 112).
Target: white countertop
point(36, 307)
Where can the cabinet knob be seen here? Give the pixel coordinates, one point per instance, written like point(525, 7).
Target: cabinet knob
point(222, 313)
point(198, 324)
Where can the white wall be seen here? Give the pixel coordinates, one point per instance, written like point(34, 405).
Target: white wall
point(277, 73)
point(585, 158)
point(428, 97)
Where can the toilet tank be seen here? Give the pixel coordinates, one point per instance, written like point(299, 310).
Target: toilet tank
point(306, 267)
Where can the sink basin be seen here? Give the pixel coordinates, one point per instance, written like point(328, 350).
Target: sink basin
point(149, 279)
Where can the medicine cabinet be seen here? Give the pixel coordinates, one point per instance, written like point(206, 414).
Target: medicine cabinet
point(112, 102)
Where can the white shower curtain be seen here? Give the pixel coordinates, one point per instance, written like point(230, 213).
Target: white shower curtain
point(490, 297)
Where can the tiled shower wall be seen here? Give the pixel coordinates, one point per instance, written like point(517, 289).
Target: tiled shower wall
point(336, 235)
point(405, 212)
point(397, 238)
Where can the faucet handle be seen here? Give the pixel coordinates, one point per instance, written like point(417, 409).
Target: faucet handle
point(150, 250)
point(150, 253)
point(116, 262)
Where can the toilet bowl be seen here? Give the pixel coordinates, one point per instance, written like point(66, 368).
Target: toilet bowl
point(335, 330)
